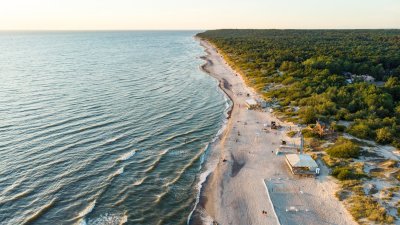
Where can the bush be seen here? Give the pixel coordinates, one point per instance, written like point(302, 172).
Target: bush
point(346, 173)
point(344, 148)
point(307, 133)
point(339, 128)
point(396, 144)
point(308, 115)
point(360, 130)
point(342, 173)
point(291, 133)
point(384, 136)
point(366, 207)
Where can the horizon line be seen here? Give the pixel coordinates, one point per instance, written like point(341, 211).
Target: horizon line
point(120, 30)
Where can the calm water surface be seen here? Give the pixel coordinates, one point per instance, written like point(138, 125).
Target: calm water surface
point(103, 127)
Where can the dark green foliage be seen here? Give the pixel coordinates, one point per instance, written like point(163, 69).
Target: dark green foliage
point(347, 173)
point(308, 133)
point(291, 133)
point(310, 68)
point(343, 173)
point(361, 130)
point(344, 148)
point(308, 115)
point(338, 128)
point(384, 135)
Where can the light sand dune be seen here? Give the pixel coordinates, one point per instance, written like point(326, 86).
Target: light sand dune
point(236, 192)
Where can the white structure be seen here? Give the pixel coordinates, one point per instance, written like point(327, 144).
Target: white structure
point(251, 103)
point(365, 78)
point(302, 164)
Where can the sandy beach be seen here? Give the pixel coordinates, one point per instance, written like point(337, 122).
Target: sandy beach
point(248, 178)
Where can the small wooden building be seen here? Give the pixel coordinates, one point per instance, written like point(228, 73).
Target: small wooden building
point(252, 104)
point(302, 164)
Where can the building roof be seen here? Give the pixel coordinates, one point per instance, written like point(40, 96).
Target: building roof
point(251, 102)
point(301, 160)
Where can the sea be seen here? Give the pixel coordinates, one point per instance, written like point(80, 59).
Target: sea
point(104, 127)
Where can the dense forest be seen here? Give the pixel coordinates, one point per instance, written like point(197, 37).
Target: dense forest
point(330, 75)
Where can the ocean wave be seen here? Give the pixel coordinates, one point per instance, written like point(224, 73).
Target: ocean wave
point(117, 173)
point(139, 182)
point(14, 185)
point(79, 144)
point(109, 219)
point(193, 131)
point(16, 196)
point(155, 163)
point(126, 189)
point(120, 171)
point(160, 196)
point(126, 156)
point(120, 201)
point(43, 134)
point(191, 162)
point(39, 212)
point(180, 173)
point(114, 139)
point(88, 209)
point(211, 164)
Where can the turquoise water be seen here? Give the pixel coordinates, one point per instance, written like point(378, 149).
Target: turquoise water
point(103, 127)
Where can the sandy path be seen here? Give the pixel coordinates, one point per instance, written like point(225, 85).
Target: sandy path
point(236, 193)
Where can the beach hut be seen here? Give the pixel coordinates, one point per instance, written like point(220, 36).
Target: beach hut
point(251, 104)
point(302, 164)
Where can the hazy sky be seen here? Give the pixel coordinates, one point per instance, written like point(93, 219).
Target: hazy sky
point(196, 14)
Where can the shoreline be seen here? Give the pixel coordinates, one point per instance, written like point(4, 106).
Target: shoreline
point(198, 216)
point(240, 162)
point(222, 88)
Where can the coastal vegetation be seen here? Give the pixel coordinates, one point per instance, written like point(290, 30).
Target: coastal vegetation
point(349, 79)
point(344, 148)
point(330, 75)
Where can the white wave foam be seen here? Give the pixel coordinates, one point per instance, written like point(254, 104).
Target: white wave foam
point(126, 156)
point(211, 163)
point(87, 210)
point(110, 219)
point(118, 172)
point(139, 182)
point(202, 179)
point(123, 220)
point(111, 140)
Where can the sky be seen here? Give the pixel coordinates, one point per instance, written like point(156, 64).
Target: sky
point(197, 14)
